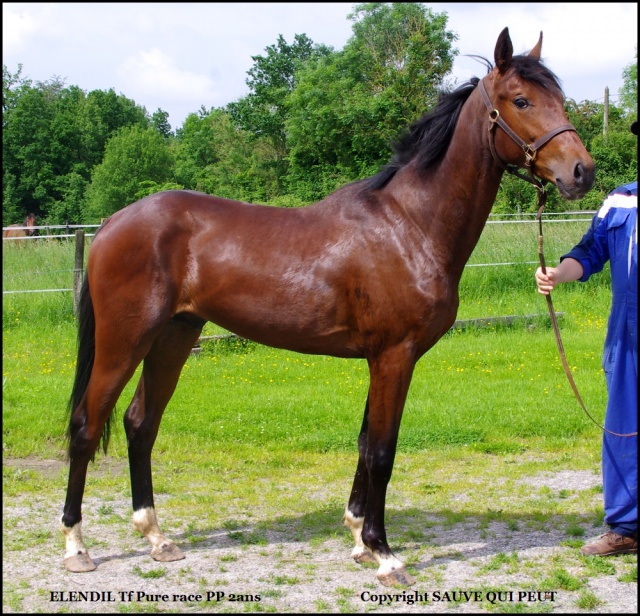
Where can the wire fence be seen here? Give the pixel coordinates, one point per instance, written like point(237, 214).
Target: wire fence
point(68, 232)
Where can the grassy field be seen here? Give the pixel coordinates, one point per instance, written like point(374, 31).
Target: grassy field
point(257, 441)
point(500, 384)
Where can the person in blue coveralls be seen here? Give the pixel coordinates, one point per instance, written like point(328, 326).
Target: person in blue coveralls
point(613, 237)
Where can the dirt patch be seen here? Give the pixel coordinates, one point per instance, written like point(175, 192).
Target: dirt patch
point(52, 468)
point(469, 565)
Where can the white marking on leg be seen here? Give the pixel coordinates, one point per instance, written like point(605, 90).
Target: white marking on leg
point(387, 564)
point(146, 523)
point(73, 540)
point(355, 524)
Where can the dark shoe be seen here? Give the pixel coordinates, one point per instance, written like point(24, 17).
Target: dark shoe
point(611, 544)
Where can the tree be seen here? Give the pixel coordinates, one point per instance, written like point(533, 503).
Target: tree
point(616, 155)
point(271, 79)
point(160, 121)
point(348, 105)
point(587, 117)
point(12, 85)
point(105, 113)
point(53, 136)
point(195, 150)
point(133, 156)
point(27, 157)
point(263, 112)
point(214, 156)
point(629, 90)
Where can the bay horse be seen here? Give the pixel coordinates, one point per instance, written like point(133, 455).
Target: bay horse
point(371, 271)
point(27, 229)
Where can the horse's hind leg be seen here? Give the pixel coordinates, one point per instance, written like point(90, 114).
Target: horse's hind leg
point(87, 424)
point(160, 373)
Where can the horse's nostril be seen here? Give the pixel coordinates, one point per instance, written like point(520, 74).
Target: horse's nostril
point(583, 175)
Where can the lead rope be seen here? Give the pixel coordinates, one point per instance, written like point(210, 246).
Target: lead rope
point(542, 199)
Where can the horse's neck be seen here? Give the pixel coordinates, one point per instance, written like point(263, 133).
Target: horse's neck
point(454, 198)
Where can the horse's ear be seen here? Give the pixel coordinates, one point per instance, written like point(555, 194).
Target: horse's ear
point(535, 52)
point(504, 51)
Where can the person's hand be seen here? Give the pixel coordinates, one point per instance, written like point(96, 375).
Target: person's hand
point(547, 281)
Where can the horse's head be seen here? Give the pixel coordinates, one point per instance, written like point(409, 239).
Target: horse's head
point(525, 104)
point(30, 223)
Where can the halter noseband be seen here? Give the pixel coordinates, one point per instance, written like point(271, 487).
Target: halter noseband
point(530, 149)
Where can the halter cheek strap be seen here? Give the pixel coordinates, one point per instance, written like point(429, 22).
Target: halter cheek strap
point(530, 149)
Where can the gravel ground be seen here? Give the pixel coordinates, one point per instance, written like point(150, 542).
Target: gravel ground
point(463, 567)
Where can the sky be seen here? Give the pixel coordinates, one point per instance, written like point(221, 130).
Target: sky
point(181, 56)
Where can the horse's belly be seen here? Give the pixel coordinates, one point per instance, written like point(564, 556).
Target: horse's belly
point(297, 319)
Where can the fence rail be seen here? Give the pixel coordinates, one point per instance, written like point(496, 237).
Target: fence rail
point(501, 219)
point(48, 235)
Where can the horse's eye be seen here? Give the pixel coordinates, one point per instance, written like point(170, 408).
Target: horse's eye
point(521, 103)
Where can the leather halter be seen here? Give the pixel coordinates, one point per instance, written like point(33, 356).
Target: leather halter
point(530, 149)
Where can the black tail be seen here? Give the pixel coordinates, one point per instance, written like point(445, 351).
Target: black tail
point(86, 355)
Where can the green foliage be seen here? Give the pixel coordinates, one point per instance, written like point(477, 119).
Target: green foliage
point(271, 79)
point(348, 105)
point(160, 121)
point(617, 159)
point(615, 154)
point(151, 187)
point(629, 90)
point(132, 157)
point(52, 139)
point(587, 117)
point(214, 156)
point(12, 86)
point(262, 114)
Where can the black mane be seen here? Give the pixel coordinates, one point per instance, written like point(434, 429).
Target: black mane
point(427, 139)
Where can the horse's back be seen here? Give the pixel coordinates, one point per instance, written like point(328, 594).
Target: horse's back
point(14, 231)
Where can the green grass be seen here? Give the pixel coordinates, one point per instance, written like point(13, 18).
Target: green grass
point(492, 390)
point(498, 389)
point(37, 265)
point(588, 600)
point(151, 574)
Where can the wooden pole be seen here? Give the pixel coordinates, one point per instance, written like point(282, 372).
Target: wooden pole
point(605, 124)
point(78, 269)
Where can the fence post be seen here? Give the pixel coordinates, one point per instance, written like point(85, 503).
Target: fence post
point(77, 269)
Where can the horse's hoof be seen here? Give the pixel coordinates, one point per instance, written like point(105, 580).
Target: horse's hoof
point(166, 553)
point(396, 577)
point(79, 563)
point(365, 556)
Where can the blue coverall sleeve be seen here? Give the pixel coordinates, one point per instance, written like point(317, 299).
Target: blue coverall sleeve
point(592, 251)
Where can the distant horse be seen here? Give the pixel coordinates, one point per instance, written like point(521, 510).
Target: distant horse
point(27, 229)
point(371, 271)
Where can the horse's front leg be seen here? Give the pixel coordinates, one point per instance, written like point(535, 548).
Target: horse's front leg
point(390, 378)
point(354, 514)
